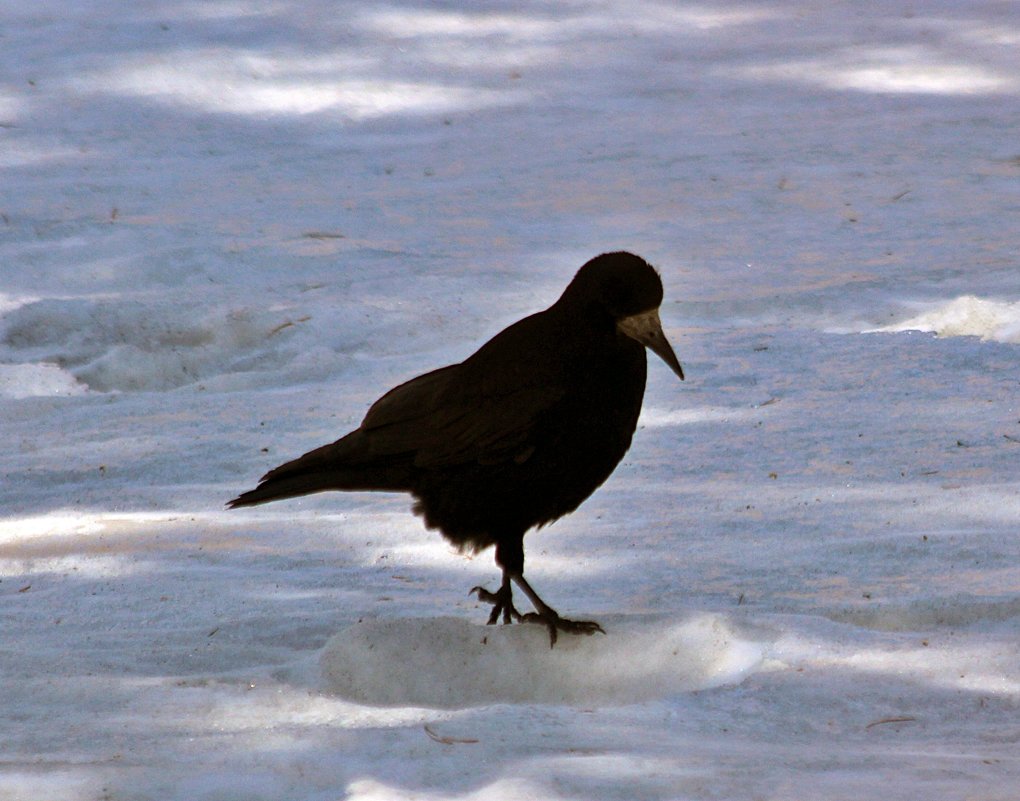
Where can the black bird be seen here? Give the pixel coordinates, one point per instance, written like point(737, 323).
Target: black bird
point(516, 435)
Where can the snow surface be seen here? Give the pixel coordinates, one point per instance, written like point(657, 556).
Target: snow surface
point(227, 226)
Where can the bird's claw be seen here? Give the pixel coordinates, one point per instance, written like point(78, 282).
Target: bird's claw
point(501, 604)
point(484, 595)
point(555, 624)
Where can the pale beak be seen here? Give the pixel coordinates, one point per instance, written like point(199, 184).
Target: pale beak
point(647, 329)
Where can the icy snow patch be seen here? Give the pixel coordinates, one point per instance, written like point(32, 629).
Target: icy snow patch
point(967, 316)
point(453, 663)
point(63, 346)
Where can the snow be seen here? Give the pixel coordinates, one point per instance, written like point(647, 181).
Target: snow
point(226, 227)
point(509, 664)
point(967, 316)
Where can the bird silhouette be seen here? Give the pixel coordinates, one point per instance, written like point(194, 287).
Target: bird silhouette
point(517, 435)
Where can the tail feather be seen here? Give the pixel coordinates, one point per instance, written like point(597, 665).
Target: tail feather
point(285, 488)
point(343, 465)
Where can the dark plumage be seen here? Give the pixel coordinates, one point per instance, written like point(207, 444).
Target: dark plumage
point(516, 435)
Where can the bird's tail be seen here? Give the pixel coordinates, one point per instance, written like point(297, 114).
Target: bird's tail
point(278, 490)
point(345, 464)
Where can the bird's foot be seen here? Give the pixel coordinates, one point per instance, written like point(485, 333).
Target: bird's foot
point(554, 623)
point(502, 604)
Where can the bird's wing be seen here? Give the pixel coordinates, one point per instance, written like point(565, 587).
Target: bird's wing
point(482, 410)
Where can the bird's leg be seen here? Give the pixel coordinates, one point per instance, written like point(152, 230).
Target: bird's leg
point(549, 617)
point(510, 558)
point(502, 600)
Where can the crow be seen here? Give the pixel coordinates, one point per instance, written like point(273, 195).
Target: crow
point(515, 436)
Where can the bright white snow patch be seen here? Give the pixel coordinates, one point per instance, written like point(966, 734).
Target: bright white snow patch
point(239, 82)
point(419, 23)
point(53, 525)
point(887, 70)
point(36, 380)
point(10, 106)
point(9, 303)
point(452, 663)
point(967, 316)
point(652, 417)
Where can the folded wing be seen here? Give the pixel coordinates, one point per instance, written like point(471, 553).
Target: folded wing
point(456, 415)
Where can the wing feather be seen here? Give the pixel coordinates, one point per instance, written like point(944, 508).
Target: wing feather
point(468, 413)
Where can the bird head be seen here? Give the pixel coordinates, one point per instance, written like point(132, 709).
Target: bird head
point(629, 289)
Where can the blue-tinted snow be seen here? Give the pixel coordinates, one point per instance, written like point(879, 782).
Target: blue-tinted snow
point(227, 226)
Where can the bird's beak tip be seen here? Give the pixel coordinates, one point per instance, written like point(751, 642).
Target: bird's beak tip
point(646, 329)
point(662, 349)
